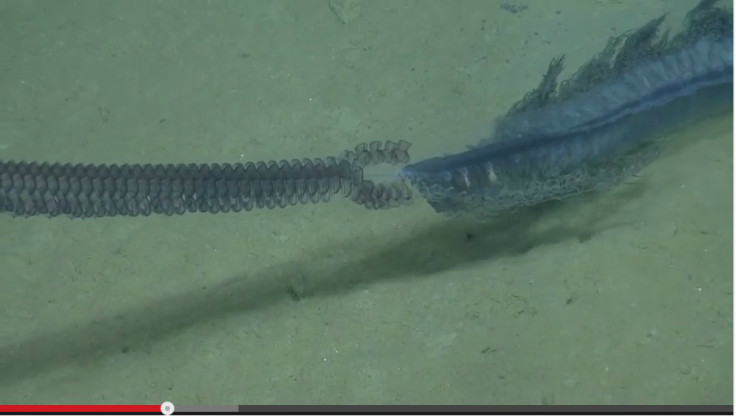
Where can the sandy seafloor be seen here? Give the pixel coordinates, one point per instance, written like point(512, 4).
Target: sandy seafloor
point(624, 297)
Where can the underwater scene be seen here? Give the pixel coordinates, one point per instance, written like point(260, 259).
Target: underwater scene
point(367, 202)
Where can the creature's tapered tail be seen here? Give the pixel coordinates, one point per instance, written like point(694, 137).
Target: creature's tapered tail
point(52, 189)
